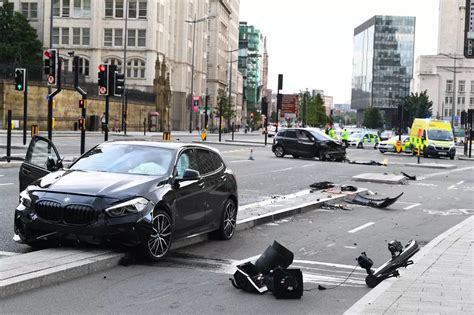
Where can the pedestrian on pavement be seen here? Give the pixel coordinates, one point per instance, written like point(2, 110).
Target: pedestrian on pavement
point(103, 122)
point(345, 137)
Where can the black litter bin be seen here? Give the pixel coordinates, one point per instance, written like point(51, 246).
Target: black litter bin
point(93, 123)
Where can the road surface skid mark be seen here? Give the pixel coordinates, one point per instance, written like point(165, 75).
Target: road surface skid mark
point(314, 272)
point(450, 212)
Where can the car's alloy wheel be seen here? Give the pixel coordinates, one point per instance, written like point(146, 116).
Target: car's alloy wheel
point(360, 146)
point(322, 156)
point(295, 156)
point(160, 239)
point(279, 151)
point(229, 220)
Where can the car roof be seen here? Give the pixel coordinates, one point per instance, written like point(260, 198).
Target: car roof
point(161, 144)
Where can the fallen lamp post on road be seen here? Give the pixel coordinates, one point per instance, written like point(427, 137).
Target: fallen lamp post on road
point(400, 258)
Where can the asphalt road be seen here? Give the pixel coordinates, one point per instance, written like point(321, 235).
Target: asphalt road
point(325, 242)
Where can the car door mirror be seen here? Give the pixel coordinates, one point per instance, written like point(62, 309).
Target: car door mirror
point(52, 165)
point(189, 174)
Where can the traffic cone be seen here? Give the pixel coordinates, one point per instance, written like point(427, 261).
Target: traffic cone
point(251, 155)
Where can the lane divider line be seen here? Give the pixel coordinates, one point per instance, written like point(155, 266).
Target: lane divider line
point(361, 227)
point(412, 206)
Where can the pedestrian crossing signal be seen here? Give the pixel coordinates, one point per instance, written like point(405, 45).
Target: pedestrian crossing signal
point(20, 78)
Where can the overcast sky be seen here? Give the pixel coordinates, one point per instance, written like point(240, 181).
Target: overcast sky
point(310, 41)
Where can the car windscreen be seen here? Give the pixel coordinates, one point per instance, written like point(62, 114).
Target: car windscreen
point(126, 159)
point(320, 136)
point(440, 135)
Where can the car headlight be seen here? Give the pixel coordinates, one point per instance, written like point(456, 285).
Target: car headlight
point(128, 207)
point(25, 200)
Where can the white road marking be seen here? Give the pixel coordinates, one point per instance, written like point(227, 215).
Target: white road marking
point(6, 184)
point(232, 151)
point(350, 247)
point(309, 262)
point(454, 186)
point(282, 170)
point(424, 184)
point(1, 175)
point(238, 161)
point(446, 172)
point(361, 227)
point(412, 206)
point(308, 165)
point(2, 253)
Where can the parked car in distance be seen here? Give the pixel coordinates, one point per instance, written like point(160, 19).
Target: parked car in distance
point(387, 134)
point(362, 139)
point(137, 193)
point(309, 143)
point(390, 144)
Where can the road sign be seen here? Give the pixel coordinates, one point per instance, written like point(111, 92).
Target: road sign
point(469, 30)
point(51, 79)
point(103, 90)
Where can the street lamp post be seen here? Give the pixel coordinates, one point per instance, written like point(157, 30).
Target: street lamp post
point(454, 86)
point(230, 89)
point(193, 22)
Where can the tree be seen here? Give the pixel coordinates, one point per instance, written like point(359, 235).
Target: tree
point(417, 106)
point(19, 44)
point(372, 117)
point(227, 111)
point(316, 111)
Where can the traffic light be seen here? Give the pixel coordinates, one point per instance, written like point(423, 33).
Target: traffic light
point(103, 82)
point(119, 83)
point(82, 124)
point(81, 103)
point(20, 79)
point(51, 65)
point(196, 102)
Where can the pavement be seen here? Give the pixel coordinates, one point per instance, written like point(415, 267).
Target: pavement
point(441, 280)
point(19, 273)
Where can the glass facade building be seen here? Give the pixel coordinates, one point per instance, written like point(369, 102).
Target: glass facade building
point(382, 66)
point(250, 65)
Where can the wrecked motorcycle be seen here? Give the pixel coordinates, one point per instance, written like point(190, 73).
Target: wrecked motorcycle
point(400, 258)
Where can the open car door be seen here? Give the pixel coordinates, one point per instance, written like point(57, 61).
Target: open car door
point(42, 158)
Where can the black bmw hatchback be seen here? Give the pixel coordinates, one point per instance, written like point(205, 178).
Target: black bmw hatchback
point(137, 193)
point(309, 143)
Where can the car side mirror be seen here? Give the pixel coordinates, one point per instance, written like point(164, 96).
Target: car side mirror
point(189, 174)
point(52, 166)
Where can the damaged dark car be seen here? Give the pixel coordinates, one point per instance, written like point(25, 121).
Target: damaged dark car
point(308, 143)
point(137, 193)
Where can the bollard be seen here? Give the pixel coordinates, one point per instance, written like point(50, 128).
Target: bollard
point(34, 130)
point(144, 126)
point(418, 154)
point(9, 135)
point(232, 131)
point(167, 135)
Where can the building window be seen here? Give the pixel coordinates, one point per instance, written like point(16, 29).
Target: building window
point(114, 8)
point(30, 10)
point(118, 37)
point(141, 38)
point(114, 61)
point(471, 101)
point(56, 36)
point(86, 35)
point(472, 87)
point(462, 86)
point(65, 36)
point(449, 85)
point(65, 8)
point(84, 66)
point(109, 8)
point(446, 112)
point(108, 36)
point(136, 38)
point(82, 8)
point(136, 68)
point(113, 37)
point(76, 36)
point(56, 7)
point(80, 33)
point(137, 9)
point(461, 100)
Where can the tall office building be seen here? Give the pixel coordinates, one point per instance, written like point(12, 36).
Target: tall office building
point(448, 77)
point(382, 65)
point(252, 48)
